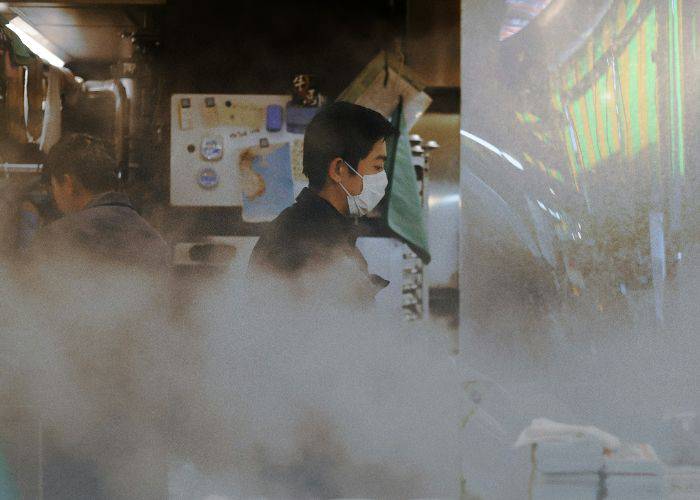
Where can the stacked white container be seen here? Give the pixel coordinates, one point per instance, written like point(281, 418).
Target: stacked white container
point(638, 475)
point(581, 469)
point(566, 470)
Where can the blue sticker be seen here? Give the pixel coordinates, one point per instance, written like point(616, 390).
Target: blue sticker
point(208, 178)
point(212, 148)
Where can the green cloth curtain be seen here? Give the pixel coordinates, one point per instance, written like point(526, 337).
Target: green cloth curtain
point(404, 214)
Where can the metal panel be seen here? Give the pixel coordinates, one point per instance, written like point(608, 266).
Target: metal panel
point(74, 17)
point(189, 126)
point(88, 33)
point(88, 43)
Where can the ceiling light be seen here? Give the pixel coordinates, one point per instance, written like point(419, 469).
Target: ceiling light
point(30, 37)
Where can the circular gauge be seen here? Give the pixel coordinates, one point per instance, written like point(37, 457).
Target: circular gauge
point(212, 148)
point(208, 178)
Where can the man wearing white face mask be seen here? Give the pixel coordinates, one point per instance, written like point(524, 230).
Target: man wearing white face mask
point(344, 154)
point(373, 187)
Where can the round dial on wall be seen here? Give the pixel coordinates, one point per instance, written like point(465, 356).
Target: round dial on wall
point(208, 178)
point(212, 147)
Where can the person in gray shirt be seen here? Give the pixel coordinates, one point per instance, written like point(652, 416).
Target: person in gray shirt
point(87, 265)
point(99, 223)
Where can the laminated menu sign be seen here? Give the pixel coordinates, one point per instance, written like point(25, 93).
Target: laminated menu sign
point(266, 181)
point(380, 85)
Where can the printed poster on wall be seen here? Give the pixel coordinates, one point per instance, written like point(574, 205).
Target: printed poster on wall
point(266, 181)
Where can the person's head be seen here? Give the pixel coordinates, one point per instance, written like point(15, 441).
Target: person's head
point(342, 141)
point(80, 167)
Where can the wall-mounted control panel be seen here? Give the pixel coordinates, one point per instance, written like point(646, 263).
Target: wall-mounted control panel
point(234, 150)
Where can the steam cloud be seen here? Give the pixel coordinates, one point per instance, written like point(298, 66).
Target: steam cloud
point(251, 394)
point(256, 394)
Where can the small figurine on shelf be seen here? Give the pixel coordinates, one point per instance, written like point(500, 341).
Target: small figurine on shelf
point(306, 102)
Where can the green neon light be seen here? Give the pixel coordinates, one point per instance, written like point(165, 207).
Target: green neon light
point(599, 49)
point(593, 124)
point(579, 129)
point(573, 161)
point(583, 65)
point(591, 136)
point(678, 90)
point(671, 107)
point(603, 100)
point(651, 77)
point(555, 174)
point(676, 96)
point(633, 49)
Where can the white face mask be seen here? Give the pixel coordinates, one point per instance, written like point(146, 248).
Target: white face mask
point(373, 190)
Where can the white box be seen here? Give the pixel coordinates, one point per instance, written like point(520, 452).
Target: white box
point(577, 457)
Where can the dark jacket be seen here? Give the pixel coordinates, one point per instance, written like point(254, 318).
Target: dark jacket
point(310, 237)
point(107, 230)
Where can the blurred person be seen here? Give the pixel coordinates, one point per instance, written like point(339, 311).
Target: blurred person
point(99, 273)
point(98, 221)
point(344, 154)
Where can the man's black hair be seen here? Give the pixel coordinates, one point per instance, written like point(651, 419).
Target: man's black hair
point(342, 130)
point(87, 159)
